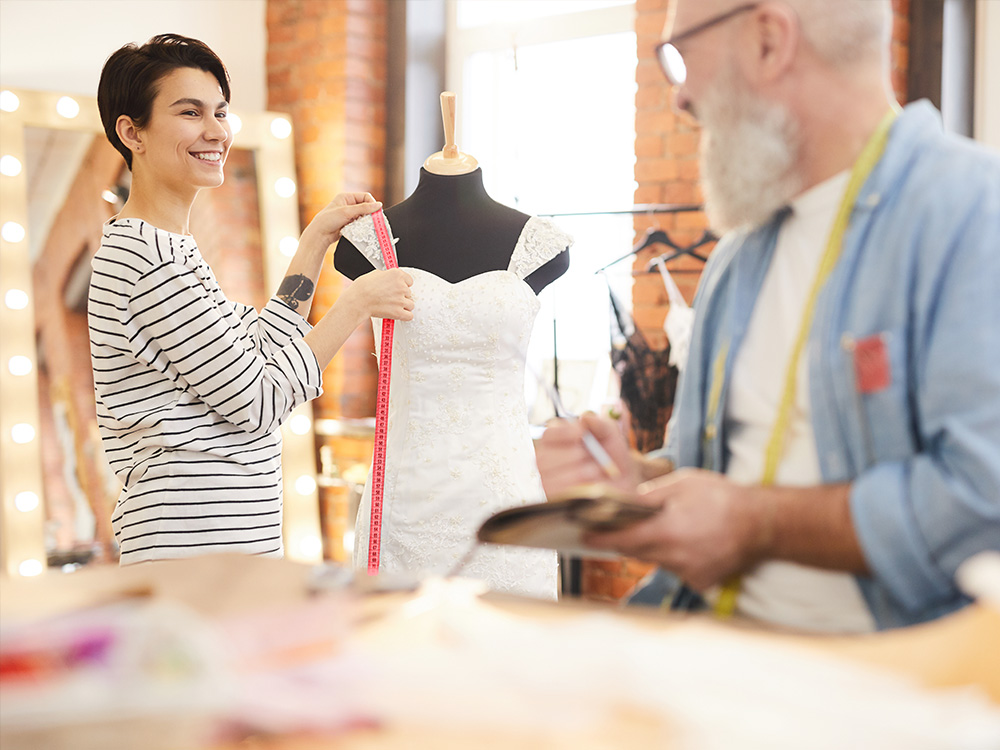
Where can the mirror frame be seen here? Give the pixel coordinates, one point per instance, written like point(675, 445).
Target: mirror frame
point(268, 135)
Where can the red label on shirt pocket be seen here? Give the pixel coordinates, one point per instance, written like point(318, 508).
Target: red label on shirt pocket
point(872, 371)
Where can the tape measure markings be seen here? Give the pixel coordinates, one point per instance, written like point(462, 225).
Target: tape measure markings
point(381, 405)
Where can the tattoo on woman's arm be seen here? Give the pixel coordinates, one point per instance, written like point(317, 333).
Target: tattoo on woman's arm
point(295, 289)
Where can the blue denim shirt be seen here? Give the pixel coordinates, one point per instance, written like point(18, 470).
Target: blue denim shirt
point(920, 269)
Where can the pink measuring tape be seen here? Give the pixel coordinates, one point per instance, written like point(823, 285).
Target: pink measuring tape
point(381, 404)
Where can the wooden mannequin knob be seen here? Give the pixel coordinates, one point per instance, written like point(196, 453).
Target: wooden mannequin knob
point(450, 150)
point(449, 160)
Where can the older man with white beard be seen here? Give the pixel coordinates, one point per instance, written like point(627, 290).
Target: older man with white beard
point(836, 431)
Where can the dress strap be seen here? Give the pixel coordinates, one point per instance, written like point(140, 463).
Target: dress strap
point(540, 241)
point(361, 233)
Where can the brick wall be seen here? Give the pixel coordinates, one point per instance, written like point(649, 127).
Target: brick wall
point(666, 171)
point(326, 67)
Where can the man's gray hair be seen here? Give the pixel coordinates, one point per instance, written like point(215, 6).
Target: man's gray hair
point(846, 31)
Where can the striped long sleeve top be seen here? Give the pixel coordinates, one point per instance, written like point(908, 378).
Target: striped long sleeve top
point(191, 389)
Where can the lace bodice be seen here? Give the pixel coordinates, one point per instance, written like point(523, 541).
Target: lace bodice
point(458, 448)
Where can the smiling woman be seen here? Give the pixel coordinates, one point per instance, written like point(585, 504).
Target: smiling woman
point(191, 387)
point(51, 484)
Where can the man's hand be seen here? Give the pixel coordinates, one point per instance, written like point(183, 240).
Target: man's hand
point(564, 461)
point(708, 529)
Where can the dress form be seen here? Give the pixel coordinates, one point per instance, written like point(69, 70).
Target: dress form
point(449, 225)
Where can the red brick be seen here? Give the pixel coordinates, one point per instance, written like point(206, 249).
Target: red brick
point(649, 291)
point(656, 169)
point(680, 192)
point(650, 24)
point(649, 317)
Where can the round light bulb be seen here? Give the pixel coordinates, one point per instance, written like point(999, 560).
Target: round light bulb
point(288, 246)
point(22, 433)
point(9, 165)
point(305, 485)
point(310, 546)
point(300, 424)
point(19, 365)
point(30, 567)
point(9, 101)
point(67, 107)
point(285, 187)
point(12, 231)
point(25, 501)
point(281, 128)
point(234, 122)
point(15, 299)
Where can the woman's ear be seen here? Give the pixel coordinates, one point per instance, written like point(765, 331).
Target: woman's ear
point(129, 134)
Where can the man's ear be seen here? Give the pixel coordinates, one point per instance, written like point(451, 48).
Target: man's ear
point(776, 34)
point(129, 134)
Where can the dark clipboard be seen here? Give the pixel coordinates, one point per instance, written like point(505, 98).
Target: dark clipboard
point(561, 523)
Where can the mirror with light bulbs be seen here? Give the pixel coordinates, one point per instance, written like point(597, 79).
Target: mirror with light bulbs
point(59, 181)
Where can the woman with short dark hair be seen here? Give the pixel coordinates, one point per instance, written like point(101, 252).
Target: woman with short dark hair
point(191, 387)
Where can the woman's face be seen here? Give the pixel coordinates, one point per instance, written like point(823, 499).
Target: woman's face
point(187, 138)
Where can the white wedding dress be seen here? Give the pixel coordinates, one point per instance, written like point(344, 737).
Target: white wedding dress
point(458, 447)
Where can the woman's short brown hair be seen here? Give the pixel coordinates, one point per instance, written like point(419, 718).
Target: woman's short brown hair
point(130, 79)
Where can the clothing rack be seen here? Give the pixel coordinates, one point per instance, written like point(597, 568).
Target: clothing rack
point(643, 208)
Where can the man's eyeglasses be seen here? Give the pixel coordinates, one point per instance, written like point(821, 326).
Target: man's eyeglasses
point(669, 57)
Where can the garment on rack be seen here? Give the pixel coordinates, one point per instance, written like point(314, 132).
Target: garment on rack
point(647, 377)
point(458, 446)
point(679, 321)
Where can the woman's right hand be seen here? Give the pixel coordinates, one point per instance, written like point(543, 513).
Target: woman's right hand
point(381, 294)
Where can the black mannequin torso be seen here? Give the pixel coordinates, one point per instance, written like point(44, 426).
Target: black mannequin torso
point(451, 227)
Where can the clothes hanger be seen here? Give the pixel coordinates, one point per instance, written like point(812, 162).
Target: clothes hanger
point(658, 236)
point(679, 251)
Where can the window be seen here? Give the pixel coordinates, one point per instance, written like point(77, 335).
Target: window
point(546, 97)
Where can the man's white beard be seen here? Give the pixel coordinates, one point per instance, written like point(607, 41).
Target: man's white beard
point(748, 152)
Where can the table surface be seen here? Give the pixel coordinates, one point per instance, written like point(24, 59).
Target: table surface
point(958, 650)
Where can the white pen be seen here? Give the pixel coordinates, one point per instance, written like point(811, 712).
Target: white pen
point(600, 455)
point(594, 448)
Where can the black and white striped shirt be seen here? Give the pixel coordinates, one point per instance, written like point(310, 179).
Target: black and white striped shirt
point(191, 389)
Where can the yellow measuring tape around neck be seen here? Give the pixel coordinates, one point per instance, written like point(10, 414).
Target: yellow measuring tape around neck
point(870, 155)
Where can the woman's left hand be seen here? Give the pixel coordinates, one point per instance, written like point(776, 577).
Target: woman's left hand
point(325, 227)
